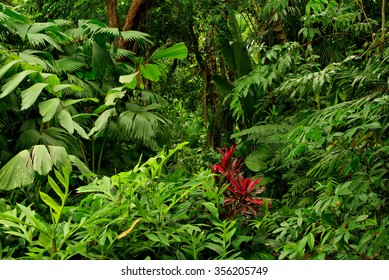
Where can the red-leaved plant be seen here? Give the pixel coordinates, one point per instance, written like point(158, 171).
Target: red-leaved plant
point(241, 193)
point(229, 167)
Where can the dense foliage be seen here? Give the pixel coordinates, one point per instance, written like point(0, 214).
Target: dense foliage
point(110, 150)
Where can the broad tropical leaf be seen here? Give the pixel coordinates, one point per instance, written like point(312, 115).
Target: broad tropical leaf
point(150, 71)
point(14, 82)
point(30, 95)
point(66, 121)
point(48, 108)
point(17, 172)
point(178, 51)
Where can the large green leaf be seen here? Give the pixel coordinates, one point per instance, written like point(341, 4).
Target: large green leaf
point(17, 172)
point(66, 121)
point(223, 85)
point(81, 166)
point(80, 130)
point(179, 51)
point(30, 95)
point(58, 155)
point(102, 121)
point(130, 80)
point(150, 71)
point(14, 82)
point(48, 108)
point(8, 66)
point(41, 159)
point(133, 35)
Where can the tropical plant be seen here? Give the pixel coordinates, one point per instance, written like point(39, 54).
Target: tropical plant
point(240, 193)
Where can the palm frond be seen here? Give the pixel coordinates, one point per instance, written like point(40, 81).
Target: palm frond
point(69, 65)
point(152, 97)
point(141, 123)
point(139, 37)
point(42, 40)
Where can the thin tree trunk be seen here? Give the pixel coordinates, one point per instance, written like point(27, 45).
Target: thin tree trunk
point(112, 13)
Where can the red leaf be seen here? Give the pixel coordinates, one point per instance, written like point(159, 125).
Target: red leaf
point(258, 201)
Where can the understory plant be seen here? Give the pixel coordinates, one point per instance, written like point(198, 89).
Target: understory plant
point(139, 214)
point(241, 194)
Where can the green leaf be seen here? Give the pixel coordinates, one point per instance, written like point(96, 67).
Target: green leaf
point(311, 240)
point(152, 237)
point(211, 208)
point(163, 239)
point(361, 218)
point(56, 188)
point(130, 80)
point(80, 130)
point(80, 165)
point(50, 202)
point(69, 102)
point(8, 66)
point(58, 88)
point(17, 172)
point(102, 121)
point(41, 159)
point(151, 72)
point(14, 82)
point(215, 247)
point(343, 189)
point(48, 108)
point(30, 95)
point(66, 121)
point(178, 51)
point(110, 99)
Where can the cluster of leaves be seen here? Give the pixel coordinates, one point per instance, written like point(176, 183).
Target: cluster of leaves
point(73, 87)
point(318, 131)
point(241, 193)
point(140, 214)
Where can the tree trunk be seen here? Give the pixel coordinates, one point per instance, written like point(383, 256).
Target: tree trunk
point(133, 18)
point(112, 13)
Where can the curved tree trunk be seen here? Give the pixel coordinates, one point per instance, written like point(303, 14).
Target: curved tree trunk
point(134, 15)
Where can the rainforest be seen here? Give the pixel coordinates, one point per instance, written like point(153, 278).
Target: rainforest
point(194, 130)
